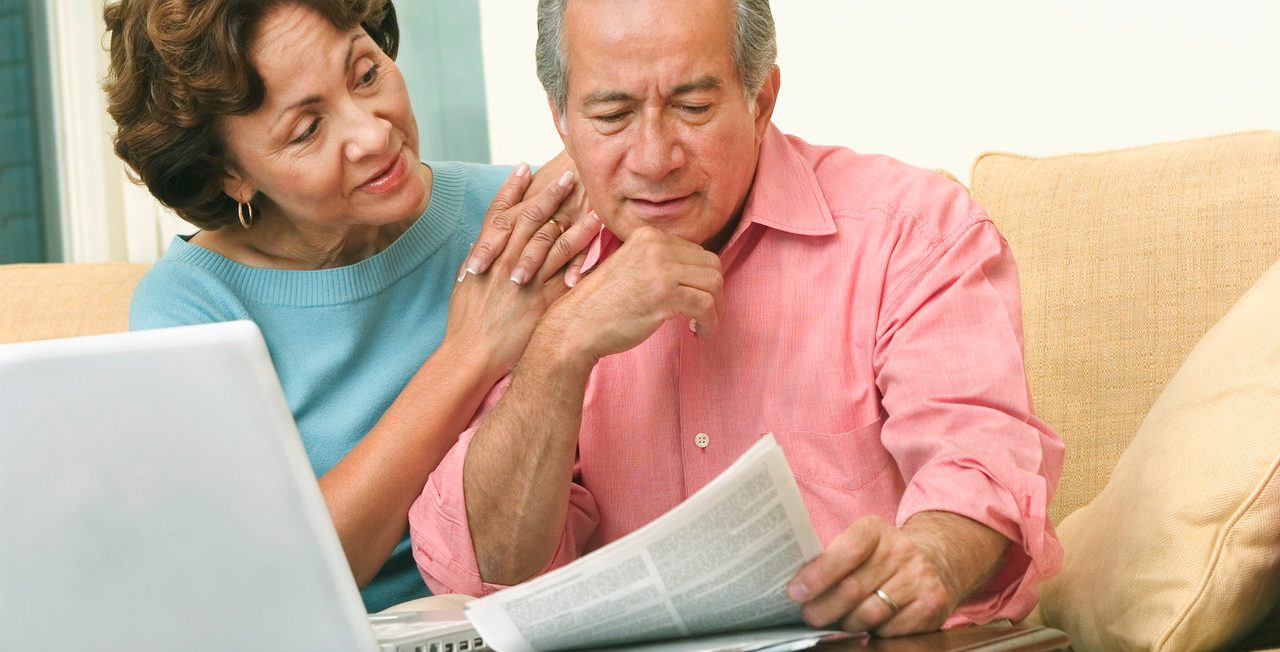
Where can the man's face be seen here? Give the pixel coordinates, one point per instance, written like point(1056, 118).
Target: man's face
point(656, 116)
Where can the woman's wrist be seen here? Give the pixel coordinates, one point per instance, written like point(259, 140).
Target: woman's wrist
point(468, 359)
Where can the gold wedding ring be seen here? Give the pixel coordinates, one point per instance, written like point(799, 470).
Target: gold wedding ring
point(888, 602)
point(558, 224)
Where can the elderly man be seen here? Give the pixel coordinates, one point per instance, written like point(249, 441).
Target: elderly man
point(863, 311)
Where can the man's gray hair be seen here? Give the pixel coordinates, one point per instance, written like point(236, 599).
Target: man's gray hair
point(754, 53)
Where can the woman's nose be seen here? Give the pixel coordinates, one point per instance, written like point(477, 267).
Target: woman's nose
point(367, 134)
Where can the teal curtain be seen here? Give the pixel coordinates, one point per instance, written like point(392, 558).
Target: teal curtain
point(442, 63)
point(21, 214)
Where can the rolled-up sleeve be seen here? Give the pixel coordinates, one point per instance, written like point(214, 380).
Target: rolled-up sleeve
point(960, 426)
point(441, 534)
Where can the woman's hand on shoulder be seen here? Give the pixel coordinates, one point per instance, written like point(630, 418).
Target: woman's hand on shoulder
point(529, 245)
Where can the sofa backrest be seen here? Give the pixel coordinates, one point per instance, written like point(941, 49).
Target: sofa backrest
point(46, 301)
point(1126, 259)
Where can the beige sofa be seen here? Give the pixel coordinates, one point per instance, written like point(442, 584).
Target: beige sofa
point(1127, 259)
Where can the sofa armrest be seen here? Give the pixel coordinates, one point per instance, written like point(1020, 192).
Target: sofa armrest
point(46, 301)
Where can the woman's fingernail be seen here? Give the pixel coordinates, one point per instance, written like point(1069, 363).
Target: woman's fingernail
point(473, 265)
point(565, 179)
point(462, 273)
point(519, 277)
point(693, 325)
point(522, 169)
point(570, 280)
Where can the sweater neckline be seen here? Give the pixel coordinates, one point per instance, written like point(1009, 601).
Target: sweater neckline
point(419, 242)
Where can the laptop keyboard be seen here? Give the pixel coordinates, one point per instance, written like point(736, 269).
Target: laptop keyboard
point(409, 637)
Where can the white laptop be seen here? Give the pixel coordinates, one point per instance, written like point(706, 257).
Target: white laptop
point(155, 495)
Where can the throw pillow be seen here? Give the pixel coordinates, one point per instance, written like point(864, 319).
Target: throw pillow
point(1181, 549)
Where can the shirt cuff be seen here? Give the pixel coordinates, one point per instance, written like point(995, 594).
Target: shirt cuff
point(1016, 507)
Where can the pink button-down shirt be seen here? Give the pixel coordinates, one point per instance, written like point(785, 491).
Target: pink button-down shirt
point(872, 323)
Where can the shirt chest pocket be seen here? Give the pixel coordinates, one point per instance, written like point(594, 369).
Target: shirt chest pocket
point(846, 461)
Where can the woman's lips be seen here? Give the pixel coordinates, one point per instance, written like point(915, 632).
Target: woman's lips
point(388, 179)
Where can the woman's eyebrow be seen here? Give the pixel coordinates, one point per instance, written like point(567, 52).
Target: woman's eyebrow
point(316, 99)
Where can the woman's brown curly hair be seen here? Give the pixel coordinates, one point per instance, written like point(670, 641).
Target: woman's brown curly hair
point(178, 66)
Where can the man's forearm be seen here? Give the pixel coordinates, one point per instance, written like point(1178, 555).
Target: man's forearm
point(519, 466)
point(965, 551)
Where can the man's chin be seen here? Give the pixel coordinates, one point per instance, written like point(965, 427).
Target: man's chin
point(671, 228)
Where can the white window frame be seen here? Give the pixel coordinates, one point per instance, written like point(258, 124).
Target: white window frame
point(102, 215)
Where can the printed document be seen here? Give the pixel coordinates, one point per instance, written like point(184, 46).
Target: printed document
point(717, 562)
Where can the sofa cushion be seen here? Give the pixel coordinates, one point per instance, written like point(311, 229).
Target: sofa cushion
point(46, 301)
point(1126, 258)
point(1181, 549)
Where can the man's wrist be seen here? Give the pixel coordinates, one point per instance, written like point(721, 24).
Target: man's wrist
point(965, 552)
point(557, 352)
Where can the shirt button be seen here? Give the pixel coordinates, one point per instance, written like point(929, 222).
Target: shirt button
point(701, 440)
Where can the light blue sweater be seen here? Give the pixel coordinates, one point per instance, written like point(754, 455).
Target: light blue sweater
point(345, 341)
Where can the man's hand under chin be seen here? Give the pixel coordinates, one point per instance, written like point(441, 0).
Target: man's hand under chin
point(892, 581)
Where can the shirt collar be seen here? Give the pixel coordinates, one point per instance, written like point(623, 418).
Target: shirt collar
point(784, 195)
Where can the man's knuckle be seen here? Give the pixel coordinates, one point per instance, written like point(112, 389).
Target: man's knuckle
point(904, 548)
point(932, 602)
point(851, 589)
point(852, 623)
point(811, 614)
point(706, 303)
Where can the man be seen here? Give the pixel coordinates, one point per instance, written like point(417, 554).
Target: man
point(863, 311)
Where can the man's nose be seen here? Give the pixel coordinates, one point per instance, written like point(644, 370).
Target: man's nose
point(656, 150)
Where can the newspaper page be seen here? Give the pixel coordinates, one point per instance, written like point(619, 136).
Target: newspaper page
point(717, 562)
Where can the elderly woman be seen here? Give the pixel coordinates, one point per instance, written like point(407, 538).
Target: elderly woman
point(283, 131)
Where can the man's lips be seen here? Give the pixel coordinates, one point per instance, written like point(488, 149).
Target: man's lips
point(386, 178)
point(659, 204)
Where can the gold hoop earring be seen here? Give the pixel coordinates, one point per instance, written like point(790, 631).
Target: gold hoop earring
point(245, 220)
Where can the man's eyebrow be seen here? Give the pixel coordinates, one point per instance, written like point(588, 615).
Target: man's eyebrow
point(316, 99)
point(605, 97)
point(708, 83)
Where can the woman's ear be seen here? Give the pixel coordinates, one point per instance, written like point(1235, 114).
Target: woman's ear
point(235, 187)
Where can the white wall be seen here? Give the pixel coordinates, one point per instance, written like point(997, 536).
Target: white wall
point(937, 83)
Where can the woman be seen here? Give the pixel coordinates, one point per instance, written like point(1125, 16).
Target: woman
point(283, 130)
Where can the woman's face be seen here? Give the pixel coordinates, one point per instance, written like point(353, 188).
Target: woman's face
point(335, 143)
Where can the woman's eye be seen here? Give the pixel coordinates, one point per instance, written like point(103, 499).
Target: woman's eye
point(311, 130)
point(370, 75)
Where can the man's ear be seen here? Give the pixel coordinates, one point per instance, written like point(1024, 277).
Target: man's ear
point(558, 119)
point(766, 99)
